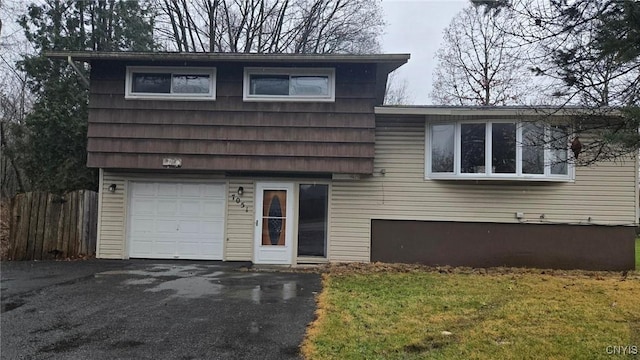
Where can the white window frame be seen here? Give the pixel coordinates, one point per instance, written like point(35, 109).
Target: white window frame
point(329, 72)
point(173, 70)
point(488, 174)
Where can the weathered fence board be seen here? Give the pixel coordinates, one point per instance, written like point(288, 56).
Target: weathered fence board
point(53, 214)
point(39, 241)
point(48, 226)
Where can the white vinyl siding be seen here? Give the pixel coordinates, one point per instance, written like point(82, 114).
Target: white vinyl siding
point(112, 212)
point(240, 222)
point(602, 194)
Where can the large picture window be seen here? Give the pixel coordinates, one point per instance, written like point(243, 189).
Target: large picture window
point(170, 83)
point(498, 150)
point(289, 84)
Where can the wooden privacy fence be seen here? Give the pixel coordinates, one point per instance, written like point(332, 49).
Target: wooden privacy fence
point(47, 226)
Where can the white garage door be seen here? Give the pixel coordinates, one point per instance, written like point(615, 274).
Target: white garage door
point(176, 220)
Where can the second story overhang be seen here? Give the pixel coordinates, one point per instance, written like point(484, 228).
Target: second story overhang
point(383, 63)
point(225, 130)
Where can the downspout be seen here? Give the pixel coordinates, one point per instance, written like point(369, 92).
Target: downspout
point(85, 81)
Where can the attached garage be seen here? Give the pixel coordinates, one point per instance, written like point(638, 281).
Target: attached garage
point(176, 220)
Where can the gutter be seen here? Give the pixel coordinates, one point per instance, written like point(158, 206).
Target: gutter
point(84, 79)
point(432, 110)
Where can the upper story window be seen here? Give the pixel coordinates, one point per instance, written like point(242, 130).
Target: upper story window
point(289, 84)
point(498, 150)
point(170, 83)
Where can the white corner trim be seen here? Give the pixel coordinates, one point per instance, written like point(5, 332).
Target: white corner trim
point(99, 223)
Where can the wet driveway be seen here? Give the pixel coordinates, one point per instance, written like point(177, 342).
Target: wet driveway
point(143, 309)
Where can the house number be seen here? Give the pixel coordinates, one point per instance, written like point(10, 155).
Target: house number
point(239, 201)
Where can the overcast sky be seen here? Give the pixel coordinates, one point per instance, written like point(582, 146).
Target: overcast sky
point(415, 27)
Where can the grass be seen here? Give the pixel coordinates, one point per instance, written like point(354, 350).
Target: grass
point(638, 254)
point(515, 314)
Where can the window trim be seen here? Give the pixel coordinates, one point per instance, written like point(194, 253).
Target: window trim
point(329, 72)
point(488, 175)
point(172, 70)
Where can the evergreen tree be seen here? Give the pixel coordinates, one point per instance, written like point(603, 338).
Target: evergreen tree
point(594, 48)
point(53, 148)
point(589, 51)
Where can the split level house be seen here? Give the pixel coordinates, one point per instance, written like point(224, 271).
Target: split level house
point(293, 159)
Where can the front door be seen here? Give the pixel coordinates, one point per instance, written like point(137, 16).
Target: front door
point(274, 225)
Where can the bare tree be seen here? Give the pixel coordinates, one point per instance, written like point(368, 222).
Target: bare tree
point(15, 99)
point(12, 113)
point(396, 91)
point(269, 26)
point(478, 64)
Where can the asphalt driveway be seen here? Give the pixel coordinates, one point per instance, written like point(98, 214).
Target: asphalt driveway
point(143, 309)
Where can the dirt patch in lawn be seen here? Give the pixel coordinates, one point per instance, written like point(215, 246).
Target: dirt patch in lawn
point(377, 267)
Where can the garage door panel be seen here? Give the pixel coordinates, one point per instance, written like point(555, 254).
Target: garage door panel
point(211, 228)
point(190, 207)
point(190, 248)
point(164, 248)
point(142, 225)
point(144, 189)
point(191, 190)
point(142, 247)
point(166, 226)
point(174, 220)
point(167, 189)
point(190, 227)
point(143, 206)
point(210, 247)
point(166, 207)
point(213, 191)
point(213, 208)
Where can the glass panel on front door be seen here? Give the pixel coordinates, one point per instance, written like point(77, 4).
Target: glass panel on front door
point(274, 224)
point(312, 219)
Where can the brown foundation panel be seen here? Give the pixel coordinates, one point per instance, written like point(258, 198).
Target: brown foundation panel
point(490, 244)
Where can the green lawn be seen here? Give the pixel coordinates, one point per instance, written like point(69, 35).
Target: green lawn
point(413, 313)
point(638, 254)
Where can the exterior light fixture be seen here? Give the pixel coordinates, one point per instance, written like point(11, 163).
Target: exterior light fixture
point(240, 190)
point(112, 188)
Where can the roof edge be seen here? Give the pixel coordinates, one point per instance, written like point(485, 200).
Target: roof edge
point(233, 57)
point(489, 110)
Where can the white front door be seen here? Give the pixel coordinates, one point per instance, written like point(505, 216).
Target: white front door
point(274, 223)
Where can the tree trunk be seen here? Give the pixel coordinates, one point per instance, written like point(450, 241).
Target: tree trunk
point(174, 25)
point(211, 11)
point(9, 154)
